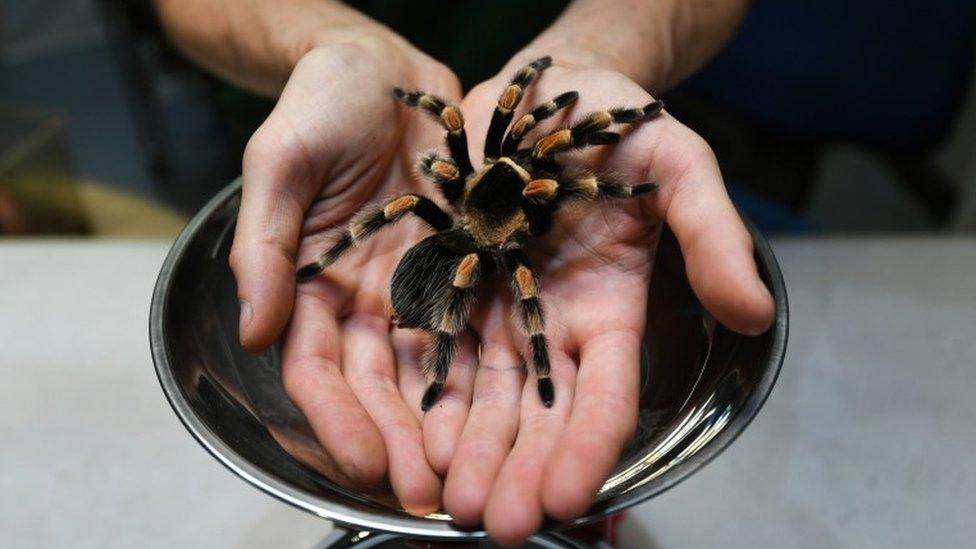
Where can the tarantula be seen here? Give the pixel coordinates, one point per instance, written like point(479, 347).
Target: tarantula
point(499, 207)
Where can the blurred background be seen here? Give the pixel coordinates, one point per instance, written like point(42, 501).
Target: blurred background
point(829, 118)
point(836, 117)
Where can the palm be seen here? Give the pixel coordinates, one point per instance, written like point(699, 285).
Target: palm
point(594, 268)
point(333, 145)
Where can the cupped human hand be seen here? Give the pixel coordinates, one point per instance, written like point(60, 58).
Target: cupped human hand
point(510, 461)
point(335, 141)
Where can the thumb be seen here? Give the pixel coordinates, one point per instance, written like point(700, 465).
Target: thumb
point(718, 250)
point(265, 242)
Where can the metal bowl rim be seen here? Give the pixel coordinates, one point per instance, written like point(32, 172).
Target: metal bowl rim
point(346, 515)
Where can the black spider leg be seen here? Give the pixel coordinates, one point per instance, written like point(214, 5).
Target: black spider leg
point(590, 186)
point(371, 219)
point(450, 118)
point(526, 289)
point(456, 304)
point(507, 102)
point(591, 130)
point(543, 197)
point(530, 120)
point(445, 174)
point(581, 185)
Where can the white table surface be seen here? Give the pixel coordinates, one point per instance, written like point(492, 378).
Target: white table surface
point(867, 440)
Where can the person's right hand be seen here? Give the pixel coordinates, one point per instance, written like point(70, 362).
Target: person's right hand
point(335, 141)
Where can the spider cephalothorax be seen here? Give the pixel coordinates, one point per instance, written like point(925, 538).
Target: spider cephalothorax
point(499, 207)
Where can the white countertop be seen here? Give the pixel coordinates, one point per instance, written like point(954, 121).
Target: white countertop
point(867, 440)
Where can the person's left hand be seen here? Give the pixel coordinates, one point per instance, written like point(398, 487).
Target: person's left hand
point(509, 460)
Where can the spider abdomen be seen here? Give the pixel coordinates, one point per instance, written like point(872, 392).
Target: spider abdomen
point(423, 279)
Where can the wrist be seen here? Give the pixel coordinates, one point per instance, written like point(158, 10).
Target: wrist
point(650, 72)
point(390, 59)
point(301, 27)
point(633, 39)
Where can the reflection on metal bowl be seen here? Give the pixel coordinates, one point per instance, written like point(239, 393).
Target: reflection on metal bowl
point(702, 386)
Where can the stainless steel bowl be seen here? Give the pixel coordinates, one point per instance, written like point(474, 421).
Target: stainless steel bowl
point(702, 386)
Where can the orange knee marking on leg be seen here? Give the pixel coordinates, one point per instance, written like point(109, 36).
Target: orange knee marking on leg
point(525, 282)
point(522, 126)
point(400, 206)
point(554, 143)
point(541, 189)
point(466, 271)
point(452, 118)
point(510, 97)
point(444, 169)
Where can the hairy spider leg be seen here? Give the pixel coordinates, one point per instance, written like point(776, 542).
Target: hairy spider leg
point(591, 130)
point(543, 197)
point(526, 289)
point(450, 118)
point(445, 175)
point(530, 120)
point(582, 185)
point(371, 219)
point(457, 303)
point(590, 186)
point(507, 102)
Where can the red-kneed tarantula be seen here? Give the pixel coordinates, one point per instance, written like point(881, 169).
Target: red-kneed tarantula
point(499, 208)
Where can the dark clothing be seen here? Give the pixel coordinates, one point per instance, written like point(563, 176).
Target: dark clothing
point(473, 37)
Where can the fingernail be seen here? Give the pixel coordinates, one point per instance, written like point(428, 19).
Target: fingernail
point(246, 313)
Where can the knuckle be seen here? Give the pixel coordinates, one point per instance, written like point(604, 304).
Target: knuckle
point(698, 148)
point(296, 385)
point(234, 259)
point(353, 57)
point(263, 146)
point(445, 76)
point(276, 153)
point(296, 380)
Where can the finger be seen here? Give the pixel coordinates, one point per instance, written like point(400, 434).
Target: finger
point(718, 250)
point(265, 241)
point(514, 510)
point(442, 424)
point(492, 421)
point(603, 420)
point(368, 365)
point(408, 348)
point(313, 381)
point(714, 241)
